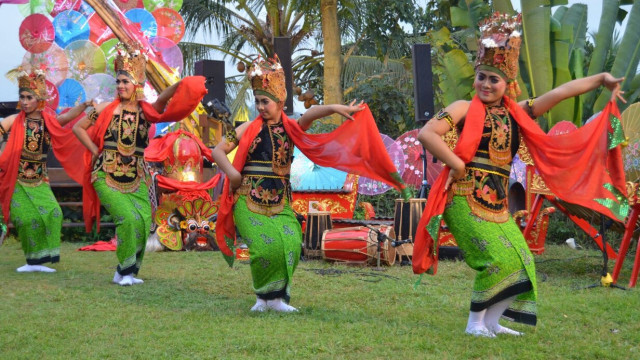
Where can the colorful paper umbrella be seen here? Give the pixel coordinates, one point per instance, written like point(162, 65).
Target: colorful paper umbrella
point(63, 5)
point(305, 175)
point(86, 9)
point(36, 7)
point(109, 49)
point(70, 26)
point(53, 98)
point(150, 94)
point(71, 94)
point(413, 168)
point(53, 62)
point(631, 153)
point(170, 24)
point(100, 87)
point(144, 20)
point(36, 33)
point(126, 5)
point(518, 171)
point(85, 58)
point(368, 186)
point(169, 52)
point(152, 5)
point(99, 32)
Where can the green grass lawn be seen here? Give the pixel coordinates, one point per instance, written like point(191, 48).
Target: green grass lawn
point(193, 306)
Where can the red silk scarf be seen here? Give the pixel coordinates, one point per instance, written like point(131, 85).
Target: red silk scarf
point(355, 147)
point(183, 102)
point(575, 167)
point(65, 147)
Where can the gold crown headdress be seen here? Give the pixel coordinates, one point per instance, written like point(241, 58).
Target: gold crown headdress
point(132, 61)
point(267, 78)
point(33, 82)
point(499, 48)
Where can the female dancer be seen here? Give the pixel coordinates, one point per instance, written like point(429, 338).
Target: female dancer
point(25, 193)
point(474, 189)
point(258, 180)
point(114, 158)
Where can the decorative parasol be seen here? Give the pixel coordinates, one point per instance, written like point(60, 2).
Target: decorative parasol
point(153, 5)
point(369, 186)
point(53, 62)
point(126, 5)
point(631, 153)
point(150, 94)
point(305, 175)
point(146, 22)
point(36, 33)
point(170, 24)
point(169, 52)
point(100, 87)
point(413, 167)
point(85, 58)
point(53, 98)
point(518, 171)
point(99, 32)
point(71, 94)
point(86, 9)
point(70, 26)
point(63, 5)
point(109, 49)
point(36, 7)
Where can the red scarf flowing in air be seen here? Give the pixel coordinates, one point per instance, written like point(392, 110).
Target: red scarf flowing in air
point(577, 167)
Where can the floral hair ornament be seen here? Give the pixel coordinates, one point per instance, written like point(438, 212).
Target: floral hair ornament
point(267, 78)
point(132, 61)
point(499, 48)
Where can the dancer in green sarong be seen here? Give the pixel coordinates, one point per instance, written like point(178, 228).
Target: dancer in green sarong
point(25, 193)
point(115, 142)
point(471, 193)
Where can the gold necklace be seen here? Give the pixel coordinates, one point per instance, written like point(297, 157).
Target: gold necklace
point(127, 149)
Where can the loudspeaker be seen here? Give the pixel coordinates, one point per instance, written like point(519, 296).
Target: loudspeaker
point(213, 71)
point(282, 47)
point(422, 83)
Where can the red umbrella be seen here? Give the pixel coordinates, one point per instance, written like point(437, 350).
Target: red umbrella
point(36, 33)
point(63, 5)
point(413, 151)
point(170, 24)
point(99, 32)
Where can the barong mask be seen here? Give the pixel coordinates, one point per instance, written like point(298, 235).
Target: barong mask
point(499, 48)
point(186, 224)
point(267, 78)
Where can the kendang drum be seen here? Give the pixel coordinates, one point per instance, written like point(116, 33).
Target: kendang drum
point(405, 222)
point(317, 223)
point(358, 245)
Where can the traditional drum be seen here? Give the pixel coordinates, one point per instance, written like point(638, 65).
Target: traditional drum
point(358, 245)
point(317, 223)
point(405, 222)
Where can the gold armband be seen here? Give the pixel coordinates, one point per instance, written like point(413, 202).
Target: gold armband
point(93, 116)
point(2, 130)
point(231, 136)
point(530, 102)
point(446, 116)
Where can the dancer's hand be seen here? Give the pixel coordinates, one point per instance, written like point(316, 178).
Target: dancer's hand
point(454, 174)
point(347, 110)
point(613, 84)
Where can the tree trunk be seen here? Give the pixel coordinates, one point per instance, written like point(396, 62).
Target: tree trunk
point(332, 58)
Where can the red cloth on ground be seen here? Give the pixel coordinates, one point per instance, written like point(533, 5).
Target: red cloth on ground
point(111, 245)
point(574, 166)
point(183, 102)
point(354, 147)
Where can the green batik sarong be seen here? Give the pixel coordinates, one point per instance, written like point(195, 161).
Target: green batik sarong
point(131, 212)
point(500, 254)
point(274, 245)
point(38, 219)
